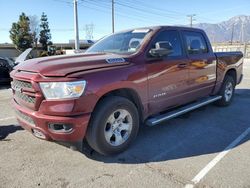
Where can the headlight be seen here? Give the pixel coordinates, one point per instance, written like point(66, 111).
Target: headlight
point(62, 90)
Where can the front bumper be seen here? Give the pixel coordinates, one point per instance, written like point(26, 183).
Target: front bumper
point(38, 123)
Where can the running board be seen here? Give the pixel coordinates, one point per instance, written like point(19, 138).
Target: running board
point(172, 114)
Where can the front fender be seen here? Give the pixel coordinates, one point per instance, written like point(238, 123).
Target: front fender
point(102, 82)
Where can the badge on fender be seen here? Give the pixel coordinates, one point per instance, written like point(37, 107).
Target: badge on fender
point(115, 60)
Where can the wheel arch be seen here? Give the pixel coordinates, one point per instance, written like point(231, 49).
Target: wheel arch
point(232, 72)
point(221, 77)
point(127, 93)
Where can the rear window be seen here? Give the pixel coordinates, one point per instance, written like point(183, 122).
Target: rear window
point(195, 43)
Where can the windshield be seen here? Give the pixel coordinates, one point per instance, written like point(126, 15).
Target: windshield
point(126, 42)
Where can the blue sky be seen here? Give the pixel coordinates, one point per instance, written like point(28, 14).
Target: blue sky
point(128, 14)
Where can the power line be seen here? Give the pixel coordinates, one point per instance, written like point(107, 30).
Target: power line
point(64, 1)
point(143, 10)
point(137, 3)
point(145, 19)
point(97, 3)
point(138, 6)
point(107, 11)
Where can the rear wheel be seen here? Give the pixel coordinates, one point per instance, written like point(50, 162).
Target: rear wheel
point(226, 91)
point(113, 126)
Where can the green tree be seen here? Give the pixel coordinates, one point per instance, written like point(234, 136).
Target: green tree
point(20, 33)
point(45, 35)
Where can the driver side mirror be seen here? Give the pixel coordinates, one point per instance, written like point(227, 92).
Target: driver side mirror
point(162, 49)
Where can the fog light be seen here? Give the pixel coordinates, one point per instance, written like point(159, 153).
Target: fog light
point(38, 134)
point(60, 127)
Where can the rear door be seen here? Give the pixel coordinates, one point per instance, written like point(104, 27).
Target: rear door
point(168, 76)
point(202, 67)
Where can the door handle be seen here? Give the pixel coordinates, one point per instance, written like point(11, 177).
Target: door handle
point(182, 65)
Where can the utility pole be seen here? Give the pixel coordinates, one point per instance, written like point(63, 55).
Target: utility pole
point(191, 16)
point(113, 16)
point(77, 45)
point(242, 32)
point(232, 36)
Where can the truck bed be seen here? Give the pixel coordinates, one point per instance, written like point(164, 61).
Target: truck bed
point(229, 57)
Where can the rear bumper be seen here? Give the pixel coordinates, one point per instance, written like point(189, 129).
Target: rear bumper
point(36, 122)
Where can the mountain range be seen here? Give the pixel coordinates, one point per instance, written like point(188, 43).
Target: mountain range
point(222, 32)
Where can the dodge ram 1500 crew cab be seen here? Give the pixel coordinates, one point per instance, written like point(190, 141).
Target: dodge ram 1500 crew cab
point(125, 80)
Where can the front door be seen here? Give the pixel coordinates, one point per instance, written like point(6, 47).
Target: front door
point(168, 76)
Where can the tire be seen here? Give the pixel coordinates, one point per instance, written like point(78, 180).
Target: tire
point(226, 91)
point(113, 126)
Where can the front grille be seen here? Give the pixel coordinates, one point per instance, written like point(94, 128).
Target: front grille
point(25, 118)
point(24, 92)
point(21, 84)
point(25, 97)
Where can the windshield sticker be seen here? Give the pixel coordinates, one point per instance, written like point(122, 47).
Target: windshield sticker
point(140, 31)
point(115, 60)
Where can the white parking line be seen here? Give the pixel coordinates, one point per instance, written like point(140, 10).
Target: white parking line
point(212, 163)
point(8, 118)
point(5, 90)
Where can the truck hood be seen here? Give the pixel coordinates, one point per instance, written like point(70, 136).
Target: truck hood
point(59, 66)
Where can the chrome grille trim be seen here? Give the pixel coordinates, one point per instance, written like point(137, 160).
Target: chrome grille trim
point(25, 118)
point(25, 97)
point(21, 84)
point(19, 87)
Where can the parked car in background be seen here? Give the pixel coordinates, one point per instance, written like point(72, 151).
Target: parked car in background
point(90, 42)
point(6, 66)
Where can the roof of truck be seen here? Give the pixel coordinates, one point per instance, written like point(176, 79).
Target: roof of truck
point(167, 26)
point(162, 27)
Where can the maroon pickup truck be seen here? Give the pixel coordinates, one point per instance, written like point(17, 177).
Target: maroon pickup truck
point(129, 79)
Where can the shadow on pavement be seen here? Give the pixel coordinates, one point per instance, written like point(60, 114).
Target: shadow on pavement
point(6, 130)
point(4, 86)
point(204, 131)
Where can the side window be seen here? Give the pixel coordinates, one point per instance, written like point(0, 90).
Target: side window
point(173, 38)
point(195, 43)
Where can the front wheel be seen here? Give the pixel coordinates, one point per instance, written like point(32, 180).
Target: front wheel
point(113, 126)
point(226, 91)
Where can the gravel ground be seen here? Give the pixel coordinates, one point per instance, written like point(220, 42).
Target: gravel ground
point(168, 155)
